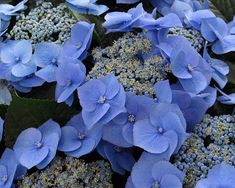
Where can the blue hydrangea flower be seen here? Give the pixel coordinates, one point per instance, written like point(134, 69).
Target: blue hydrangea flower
point(70, 75)
point(78, 45)
point(46, 57)
point(121, 159)
point(192, 106)
point(37, 147)
point(106, 101)
point(120, 130)
point(1, 128)
point(221, 69)
point(194, 19)
point(126, 1)
point(6, 11)
point(194, 75)
point(221, 175)
point(18, 55)
point(154, 171)
point(164, 130)
point(87, 7)
point(76, 140)
point(9, 169)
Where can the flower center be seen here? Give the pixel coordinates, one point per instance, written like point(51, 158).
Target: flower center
point(17, 59)
point(38, 145)
point(68, 83)
point(155, 185)
point(190, 68)
point(81, 136)
point(101, 99)
point(117, 149)
point(54, 60)
point(131, 118)
point(79, 45)
point(160, 130)
point(4, 178)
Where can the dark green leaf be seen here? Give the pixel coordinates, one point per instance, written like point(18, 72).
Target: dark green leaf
point(24, 113)
point(223, 8)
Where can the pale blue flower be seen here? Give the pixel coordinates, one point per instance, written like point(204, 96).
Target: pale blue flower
point(37, 147)
point(46, 56)
point(87, 7)
point(101, 100)
point(121, 159)
point(220, 176)
point(76, 140)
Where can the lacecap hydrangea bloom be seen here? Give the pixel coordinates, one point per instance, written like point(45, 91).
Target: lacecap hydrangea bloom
point(154, 171)
point(77, 45)
point(76, 140)
point(70, 74)
point(120, 130)
point(221, 175)
point(37, 147)
point(17, 55)
point(46, 56)
point(121, 159)
point(87, 7)
point(101, 100)
point(10, 169)
point(164, 131)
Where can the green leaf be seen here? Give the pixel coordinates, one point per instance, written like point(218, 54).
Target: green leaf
point(223, 8)
point(24, 113)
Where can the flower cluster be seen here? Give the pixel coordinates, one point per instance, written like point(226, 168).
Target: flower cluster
point(148, 90)
point(44, 23)
point(211, 143)
point(70, 172)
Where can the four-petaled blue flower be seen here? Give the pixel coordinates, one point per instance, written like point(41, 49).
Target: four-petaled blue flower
point(37, 147)
point(101, 100)
point(220, 176)
point(70, 75)
point(154, 171)
point(163, 132)
point(46, 57)
point(10, 169)
point(194, 75)
point(78, 44)
point(120, 130)
point(18, 55)
point(121, 159)
point(76, 140)
point(87, 7)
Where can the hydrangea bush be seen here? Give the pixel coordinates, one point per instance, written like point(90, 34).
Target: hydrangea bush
point(150, 96)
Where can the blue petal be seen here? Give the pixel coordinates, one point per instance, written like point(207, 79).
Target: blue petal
point(47, 73)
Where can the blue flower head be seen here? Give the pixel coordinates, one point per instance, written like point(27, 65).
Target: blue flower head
point(76, 140)
point(87, 7)
point(194, 75)
point(101, 100)
point(154, 171)
point(121, 159)
point(163, 132)
point(46, 57)
point(1, 128)
point(70, 75)
point(17, 55)
point(221, 175)
point(120, 130)
point(37, 147)
point(78, 45)
point(10, 169)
